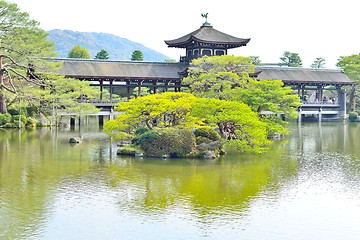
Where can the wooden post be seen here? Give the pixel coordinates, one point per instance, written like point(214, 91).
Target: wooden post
point(128, 87)
point(101, 88)
point(72, 122)
point(111, 90)
point(154, 86)
point(101, 120)
point(139, 88)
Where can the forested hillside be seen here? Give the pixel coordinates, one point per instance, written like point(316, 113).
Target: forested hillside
point(118, 48)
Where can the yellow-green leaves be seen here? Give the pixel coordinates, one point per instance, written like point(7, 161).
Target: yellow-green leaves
point(184, 110)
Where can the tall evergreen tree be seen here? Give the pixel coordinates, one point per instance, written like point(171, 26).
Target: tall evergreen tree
point(319, 62)
point(290, 59)
point(103, 54)
point(22, 44)
point(137, 55)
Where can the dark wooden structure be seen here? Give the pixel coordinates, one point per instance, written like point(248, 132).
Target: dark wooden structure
point(310, 85)
point(123, 77)
point(206, 41)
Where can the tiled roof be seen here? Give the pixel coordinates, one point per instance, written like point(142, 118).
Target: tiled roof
point(209, 35)
point(78, 68)
point(308, 76)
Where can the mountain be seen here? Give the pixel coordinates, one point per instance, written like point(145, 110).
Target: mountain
point(117, 47)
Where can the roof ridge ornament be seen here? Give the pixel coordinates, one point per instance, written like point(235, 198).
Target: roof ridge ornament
point(205, 15)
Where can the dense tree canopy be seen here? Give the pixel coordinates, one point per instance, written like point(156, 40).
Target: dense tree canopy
point(351, 66)
point(137, 55)
point(235, 121)
point(103, 54)
point(229, 78)
point(22, 43)
point(290, 59)
point(79, 52)
point(23, 47)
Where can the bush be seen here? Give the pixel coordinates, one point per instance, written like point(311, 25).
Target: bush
point(207, 132)
point(172, 142)
point(128, 151)
point(353, 116)
point(22, 119)
point(5, 118)
point(140, 131)
point(31, 122)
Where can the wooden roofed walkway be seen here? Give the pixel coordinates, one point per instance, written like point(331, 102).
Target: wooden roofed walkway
point(126, 79)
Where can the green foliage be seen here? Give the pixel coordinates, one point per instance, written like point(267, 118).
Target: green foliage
point(5, 118)
point(23, 47)
point(103, 54)
point(290, 59)
point(318, 63)
point(255, 60)
point(31, 122)
point(79, 52)
point(353, 116)
point(140, 131)
point(351, 66)
point(235, 120)
point(207, 132)
point(64, 94)
point(228, 77)
point(128, 150)
point(156, 110)
point(173, 142)
point(137, 55)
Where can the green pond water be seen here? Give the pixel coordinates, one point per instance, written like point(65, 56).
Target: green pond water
point(306, 187)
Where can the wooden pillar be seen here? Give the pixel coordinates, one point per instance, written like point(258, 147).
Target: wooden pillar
point(154, 86)
point(72, 121)
point(128, 89)
point(101, 88)
point(111, 89)
point(139, 88)
point(320, 93)
point(342, 103)
point(101, 120)
point(166, 86)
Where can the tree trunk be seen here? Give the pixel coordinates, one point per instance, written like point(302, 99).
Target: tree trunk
point(3, 109)
point(2, 93)
point(351, 99)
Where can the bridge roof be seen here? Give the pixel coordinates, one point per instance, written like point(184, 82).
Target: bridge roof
point(135, 70)
point(132, 70)
point(307, 76)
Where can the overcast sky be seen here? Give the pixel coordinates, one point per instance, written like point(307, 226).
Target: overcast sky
point(311, 28)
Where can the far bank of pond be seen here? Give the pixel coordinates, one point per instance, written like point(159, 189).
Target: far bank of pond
point(307, 187)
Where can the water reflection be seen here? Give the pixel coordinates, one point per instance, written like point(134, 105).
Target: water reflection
point(52, 190)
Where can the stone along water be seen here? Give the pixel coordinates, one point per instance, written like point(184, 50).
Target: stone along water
point(307, 187)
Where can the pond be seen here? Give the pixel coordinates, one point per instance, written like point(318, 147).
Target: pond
point(306, 187)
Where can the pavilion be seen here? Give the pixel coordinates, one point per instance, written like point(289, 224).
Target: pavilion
point(128, 79)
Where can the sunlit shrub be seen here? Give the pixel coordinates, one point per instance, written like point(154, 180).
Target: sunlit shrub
point(172, 142)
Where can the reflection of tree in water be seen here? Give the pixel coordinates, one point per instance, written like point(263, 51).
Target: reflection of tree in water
point(33, 165)
point(42, 167)
point(205, 187)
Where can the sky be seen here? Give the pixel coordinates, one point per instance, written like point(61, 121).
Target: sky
point(311, 28)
